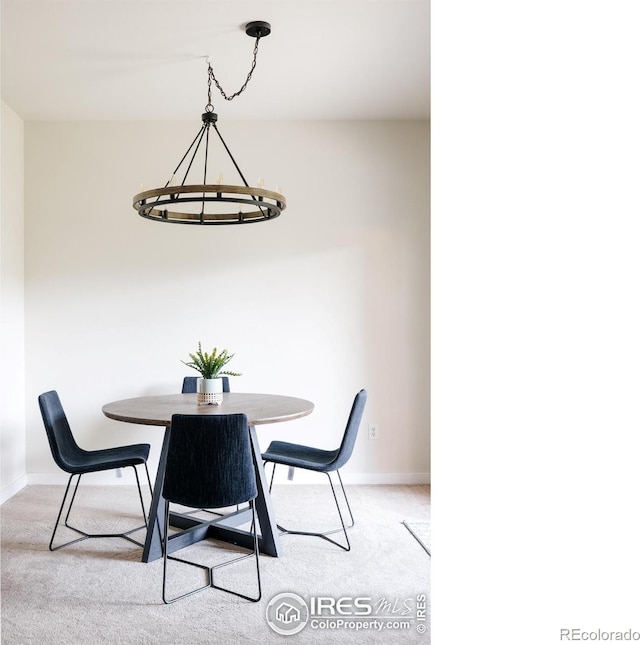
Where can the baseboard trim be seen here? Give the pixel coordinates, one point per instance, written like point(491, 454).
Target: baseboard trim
point(387, 478)
point(300, 477)
point(106, 478)
point(12, 489)
point(355, 479)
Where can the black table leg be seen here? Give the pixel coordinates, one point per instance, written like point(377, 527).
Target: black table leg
point(153, 544)
point(270, 536)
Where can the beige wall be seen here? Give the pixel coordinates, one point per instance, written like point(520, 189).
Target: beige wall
point(12, 384)
point(331, 297)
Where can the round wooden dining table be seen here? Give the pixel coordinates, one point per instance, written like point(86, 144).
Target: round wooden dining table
point(157, 410)
point(259, 409)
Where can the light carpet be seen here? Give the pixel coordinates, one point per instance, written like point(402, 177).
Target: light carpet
point(98, 591)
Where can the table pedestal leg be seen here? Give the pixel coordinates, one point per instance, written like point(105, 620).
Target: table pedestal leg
point(270, 536)
point(153, 544)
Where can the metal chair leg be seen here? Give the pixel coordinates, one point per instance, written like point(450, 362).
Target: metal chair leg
point(346, 499)
point(55, 528)
point(84, 535)
point(273, 472)
point(210, 583)
point(255, 553)
point(144, 512)
point(166, 556)
point(324, 534)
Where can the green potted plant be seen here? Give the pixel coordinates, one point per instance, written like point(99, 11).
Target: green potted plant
point(210, 366)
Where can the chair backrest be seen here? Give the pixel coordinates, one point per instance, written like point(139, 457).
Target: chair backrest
point(209, 461)
point(190, 384)
point(351, 431)
point(66, 452)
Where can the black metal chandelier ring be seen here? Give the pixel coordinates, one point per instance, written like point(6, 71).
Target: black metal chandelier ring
point(150, 203)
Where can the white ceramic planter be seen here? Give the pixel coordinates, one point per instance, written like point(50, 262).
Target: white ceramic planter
point(210, 391)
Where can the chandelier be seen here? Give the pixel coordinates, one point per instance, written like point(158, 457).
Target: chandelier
point(181, 202)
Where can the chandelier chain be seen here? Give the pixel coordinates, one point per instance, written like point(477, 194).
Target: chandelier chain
point(212, 78)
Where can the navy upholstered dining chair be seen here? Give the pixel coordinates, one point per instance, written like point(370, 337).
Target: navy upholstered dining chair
point(77, 462)
point(209, 465)
point(190, 384)
point(323, 461)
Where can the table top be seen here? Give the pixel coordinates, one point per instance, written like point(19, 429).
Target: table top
point(157, 410)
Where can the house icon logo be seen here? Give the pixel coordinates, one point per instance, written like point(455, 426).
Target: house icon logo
point(287, 614)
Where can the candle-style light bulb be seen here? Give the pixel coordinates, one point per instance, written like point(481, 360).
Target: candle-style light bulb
point(260, 182)
point(219, 178)
point(278, 190)
point(141, 187)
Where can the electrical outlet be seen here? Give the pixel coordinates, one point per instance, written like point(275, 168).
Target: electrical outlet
point(373, 431)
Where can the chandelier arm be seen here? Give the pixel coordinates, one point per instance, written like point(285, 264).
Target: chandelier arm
point(233, 160)
point(195, 152)
point(204, 180)
point(173, 174)
point(206, 159)
point(215, 127)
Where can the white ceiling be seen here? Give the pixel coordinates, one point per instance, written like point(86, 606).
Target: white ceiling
point(146, 59)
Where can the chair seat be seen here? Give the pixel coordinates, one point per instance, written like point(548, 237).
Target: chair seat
point(293, 454)
point(109, 458)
